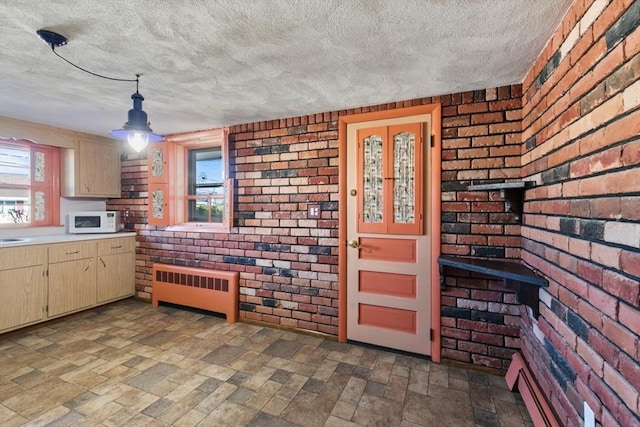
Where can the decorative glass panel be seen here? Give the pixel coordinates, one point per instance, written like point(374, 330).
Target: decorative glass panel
point(39, 172)
point(157, 162)
point(158, 204)
point(372, 177)
point(39, 206)
point(404, 173)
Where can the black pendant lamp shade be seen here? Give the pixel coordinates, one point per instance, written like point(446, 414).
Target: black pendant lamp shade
point(136, 130)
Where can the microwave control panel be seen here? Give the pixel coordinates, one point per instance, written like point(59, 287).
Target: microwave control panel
point(111, 220)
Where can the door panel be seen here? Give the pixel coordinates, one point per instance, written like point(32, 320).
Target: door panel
point(388, 318)
point(399, 250)
point(392, 284)
point(388, 258)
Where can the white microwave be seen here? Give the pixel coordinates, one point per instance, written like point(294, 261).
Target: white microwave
point(93, 222)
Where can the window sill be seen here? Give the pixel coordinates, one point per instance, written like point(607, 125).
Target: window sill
point(199, 227)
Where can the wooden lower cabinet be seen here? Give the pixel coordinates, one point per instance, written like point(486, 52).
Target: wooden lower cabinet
point(81, 275)
point(23, 286)
point(72, 276)
point(116, 269)
point(72, 286)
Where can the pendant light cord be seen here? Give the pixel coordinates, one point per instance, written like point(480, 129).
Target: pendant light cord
point(137, 79)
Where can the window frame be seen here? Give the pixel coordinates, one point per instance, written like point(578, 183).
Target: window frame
point(192, 184)
point(174, 182)
point(50, 186)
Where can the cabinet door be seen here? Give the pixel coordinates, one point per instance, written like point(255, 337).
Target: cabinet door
point(116, 276)
point(98, 169)
point(158, 163)
point(22, 298)
point(160, 206)
point(72, 286)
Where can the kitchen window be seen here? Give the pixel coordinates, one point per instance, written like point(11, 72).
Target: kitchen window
point(205, 184)
point(29, 184)
point(189, 187)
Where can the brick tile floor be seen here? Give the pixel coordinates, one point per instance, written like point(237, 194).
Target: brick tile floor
point(129, 364)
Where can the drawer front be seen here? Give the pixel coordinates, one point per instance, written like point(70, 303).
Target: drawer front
point(61, 252)
point(22, 256)
point(116, 246)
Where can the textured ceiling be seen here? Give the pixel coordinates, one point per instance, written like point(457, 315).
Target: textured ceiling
point(207, 64)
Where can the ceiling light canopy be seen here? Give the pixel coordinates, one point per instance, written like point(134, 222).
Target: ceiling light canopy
point(136, 130)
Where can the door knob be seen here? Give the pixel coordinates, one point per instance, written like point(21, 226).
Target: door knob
point(354, 244)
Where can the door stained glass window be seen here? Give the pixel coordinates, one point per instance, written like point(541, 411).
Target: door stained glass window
point(373, 179)
point(390, 174)
point(403, 178)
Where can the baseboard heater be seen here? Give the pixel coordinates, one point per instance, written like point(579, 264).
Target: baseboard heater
point(519, 377)
point(211, 290)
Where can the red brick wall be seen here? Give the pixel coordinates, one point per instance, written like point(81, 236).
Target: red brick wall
point(481, 144)
point(288, 263)
point(581, 122)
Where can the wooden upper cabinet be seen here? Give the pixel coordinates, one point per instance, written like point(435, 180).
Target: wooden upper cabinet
point(390, 179)
point(91, 169)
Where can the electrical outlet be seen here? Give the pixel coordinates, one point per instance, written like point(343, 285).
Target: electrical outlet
point(589, 418)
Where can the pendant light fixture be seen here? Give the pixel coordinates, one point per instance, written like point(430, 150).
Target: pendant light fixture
point(136, 130)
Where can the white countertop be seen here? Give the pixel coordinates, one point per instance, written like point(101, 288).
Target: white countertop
point(60, 238)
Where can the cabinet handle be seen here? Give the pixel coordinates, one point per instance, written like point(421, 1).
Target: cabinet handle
point(116, 247)
point(72, 253)
point(88, 265)
point(102, 261)
point(86, 186)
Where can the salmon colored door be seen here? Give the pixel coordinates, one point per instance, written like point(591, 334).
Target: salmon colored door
point(388, 254)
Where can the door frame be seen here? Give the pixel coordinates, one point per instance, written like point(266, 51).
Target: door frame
point(434, 179)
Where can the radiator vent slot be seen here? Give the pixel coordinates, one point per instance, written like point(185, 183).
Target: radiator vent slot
point(211, 290)
point(197, 281)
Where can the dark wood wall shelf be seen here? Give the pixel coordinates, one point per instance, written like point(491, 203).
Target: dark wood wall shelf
point(518, 277)
point(511, 192)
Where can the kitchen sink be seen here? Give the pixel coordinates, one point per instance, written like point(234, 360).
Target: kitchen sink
point(11, 240)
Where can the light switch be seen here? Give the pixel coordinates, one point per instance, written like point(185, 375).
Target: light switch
point(313, 211)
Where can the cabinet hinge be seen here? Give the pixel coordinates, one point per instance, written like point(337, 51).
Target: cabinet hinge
point(432, 334)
